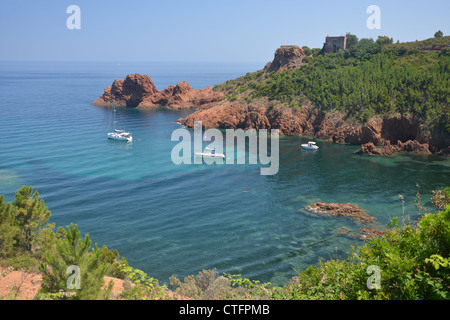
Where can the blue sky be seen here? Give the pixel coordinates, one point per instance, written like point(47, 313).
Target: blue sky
point(197, 30)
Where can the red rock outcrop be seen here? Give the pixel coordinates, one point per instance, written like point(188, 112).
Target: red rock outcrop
point(290, 121)
point(369, 149)
point(234, 116)
point(286, 58)
point(400, 128)
point(388, 149)
point(401, 134)
point(231, 116)
point(444, 152)
point(340, 209)
point(128, 92)
point(139, 91)
point(412, 146)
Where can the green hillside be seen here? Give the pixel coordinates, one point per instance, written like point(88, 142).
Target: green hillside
point(370, 78)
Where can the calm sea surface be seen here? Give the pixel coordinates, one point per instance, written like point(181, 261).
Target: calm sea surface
point(177, 220)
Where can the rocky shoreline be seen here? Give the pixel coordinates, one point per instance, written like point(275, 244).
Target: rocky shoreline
point(397, 133)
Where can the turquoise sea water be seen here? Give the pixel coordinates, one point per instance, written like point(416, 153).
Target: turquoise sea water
point(177, 220)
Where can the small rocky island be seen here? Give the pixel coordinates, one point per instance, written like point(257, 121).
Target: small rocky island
point(340, 209)
point(138, 91)
point(348, 210)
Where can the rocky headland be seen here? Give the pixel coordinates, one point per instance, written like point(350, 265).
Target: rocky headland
point(396, 133)
point(139, 91)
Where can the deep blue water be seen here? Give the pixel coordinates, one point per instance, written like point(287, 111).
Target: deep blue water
point(177, 220)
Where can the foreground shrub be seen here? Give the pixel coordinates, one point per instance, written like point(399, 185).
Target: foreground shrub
point(138, 285)
point(71, 257)
point(24, 229)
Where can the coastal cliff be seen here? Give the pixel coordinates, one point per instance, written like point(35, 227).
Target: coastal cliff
point(356, 97)
point(396, 133)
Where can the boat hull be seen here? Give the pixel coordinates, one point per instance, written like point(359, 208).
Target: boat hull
point(209, 155)
point(120, 137)
point(307, 147)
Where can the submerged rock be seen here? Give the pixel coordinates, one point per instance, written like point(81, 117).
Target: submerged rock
point(343, 231)
point(369, 234)
point(364, 234)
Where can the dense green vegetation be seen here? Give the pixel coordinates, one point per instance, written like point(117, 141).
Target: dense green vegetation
point(413, 260)
point(370, 78)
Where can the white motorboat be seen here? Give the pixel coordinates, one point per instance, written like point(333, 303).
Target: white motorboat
point(117, 134)
point(310, 146)
point(209, 153)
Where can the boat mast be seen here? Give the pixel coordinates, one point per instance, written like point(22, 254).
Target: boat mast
point(205, 137)
point(114, 111)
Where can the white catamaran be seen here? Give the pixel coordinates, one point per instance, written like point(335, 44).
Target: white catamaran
point(118, 134)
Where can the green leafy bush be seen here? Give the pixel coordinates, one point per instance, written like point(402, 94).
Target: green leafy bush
point(139, 285)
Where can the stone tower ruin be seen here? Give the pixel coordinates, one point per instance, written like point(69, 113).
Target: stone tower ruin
point(333, 44)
